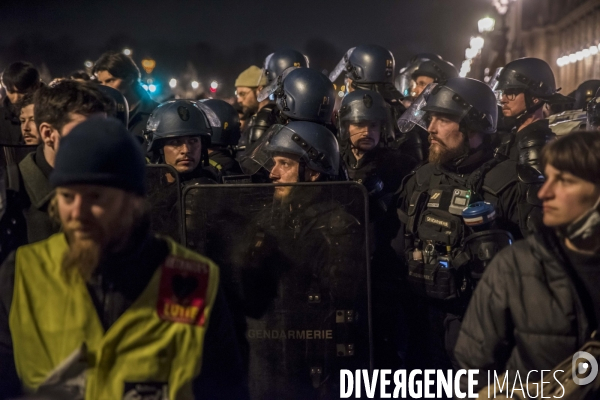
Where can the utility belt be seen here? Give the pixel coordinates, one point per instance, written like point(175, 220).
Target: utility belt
point(449, 241)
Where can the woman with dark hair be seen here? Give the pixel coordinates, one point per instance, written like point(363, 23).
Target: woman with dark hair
point(18, 79)
point(538, 300)
point(120, 72)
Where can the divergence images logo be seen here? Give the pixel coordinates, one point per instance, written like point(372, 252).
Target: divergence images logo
point(580, 367)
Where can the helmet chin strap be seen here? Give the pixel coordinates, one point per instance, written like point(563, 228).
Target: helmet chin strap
point(585, 226)
point(530, 108)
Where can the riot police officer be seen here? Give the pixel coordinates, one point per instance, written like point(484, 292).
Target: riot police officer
point(279, 61)
point(364, 121)
point(593, 113)
point(524, 86)
point(372, 67)
point(224, 137)
point(178, 134)
point(404, 81)
point(303, 261)
point(457, 211)
point(431, 71)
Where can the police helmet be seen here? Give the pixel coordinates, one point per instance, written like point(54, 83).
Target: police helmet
point(363, 106)
point(371, 64)
point(534, 77)
point(437, 69)
point(585, 92)
point(177, 118)
point(471, 100)
point(279, 61)
point(593, 112)
point(404, 78)
point(228, 133)
point(316, 146)
point(306, 95)
point(120, 108)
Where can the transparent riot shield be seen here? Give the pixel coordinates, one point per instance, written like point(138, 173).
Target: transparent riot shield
point(294, 261)
point(164, 200)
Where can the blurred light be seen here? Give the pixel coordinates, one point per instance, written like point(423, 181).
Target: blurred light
point(561, 61)
point(341, 94)
point(586, 53)
point(579, 55)
point(486, 24)
point(471, 53)
point(195, 84)
point(214, 85)
point(593, 50)
point(149, 81)
point(173, 83)
point(152, 88)
point(334, 86)
point(343, 88)
point(145, 87)
point(148, 64)
point(477, 42)
point(463, 74)
point(213, 90)
point(487, 79)
point(466, 64)
point(88, 64)
point(572, 58)
point(127, 51)
point(486, 71)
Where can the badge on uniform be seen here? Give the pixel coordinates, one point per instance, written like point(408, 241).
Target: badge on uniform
point(182, 291)
point(146, 391)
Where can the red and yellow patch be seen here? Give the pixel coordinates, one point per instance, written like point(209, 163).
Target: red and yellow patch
point(182, 291)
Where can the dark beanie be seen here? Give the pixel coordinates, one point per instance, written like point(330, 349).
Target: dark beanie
point(100, 151)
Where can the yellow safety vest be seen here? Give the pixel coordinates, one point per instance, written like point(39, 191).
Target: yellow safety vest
point(158, 339)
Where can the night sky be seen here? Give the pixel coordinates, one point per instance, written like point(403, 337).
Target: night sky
point(222, 36)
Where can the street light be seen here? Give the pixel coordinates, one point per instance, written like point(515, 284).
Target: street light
point(127, 51)
point(195, 84)
point(88, 64)
point(471, 53)
point(486, 24)
point(173, 83)
point(477, 42)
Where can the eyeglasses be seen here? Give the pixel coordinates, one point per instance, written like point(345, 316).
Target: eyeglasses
point(511, 94)
point(242, 94)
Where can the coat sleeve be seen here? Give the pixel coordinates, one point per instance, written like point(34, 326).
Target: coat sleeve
point(485, 341)
point(222, 376)
point(10, 386)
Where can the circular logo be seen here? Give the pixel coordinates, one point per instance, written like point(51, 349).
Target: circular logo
point(225, 125)
point(183, 112)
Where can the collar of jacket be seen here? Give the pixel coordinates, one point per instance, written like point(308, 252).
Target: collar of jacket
point(35, 181)
point(471, 162)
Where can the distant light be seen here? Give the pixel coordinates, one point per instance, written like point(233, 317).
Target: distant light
point(466, 64)
point(343, 88)
point(471, 53)
point(486, 79)
point(572, 58)
point(152, 88)
point(341, 94)
point(486, 24)
point(88, 64)
point(213, 90)
point(149, 81)
point(593, 50)
point(586, 53)
point(334, 86)
point(214, 85)
point(560, 61)
point(579, 55)
point(477, 42)
point(195, 84)
point(145, 87)
point(463, 74)
point(173, 83)
point(127, 51)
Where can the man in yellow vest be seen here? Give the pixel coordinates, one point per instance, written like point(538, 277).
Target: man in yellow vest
point(104, 309)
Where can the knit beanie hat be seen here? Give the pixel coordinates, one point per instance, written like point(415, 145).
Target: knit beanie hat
point(100, 151)
point(251, 77)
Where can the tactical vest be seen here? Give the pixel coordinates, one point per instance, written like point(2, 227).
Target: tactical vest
point(445, 254)
point(157, 343)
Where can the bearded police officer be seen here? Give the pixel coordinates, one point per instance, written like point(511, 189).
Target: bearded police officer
point(116, 311)
point(372, 67)
point(457, 211)
point(305, 263)
point(178, 133)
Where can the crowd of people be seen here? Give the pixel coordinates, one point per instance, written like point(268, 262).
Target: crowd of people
point(426, 221)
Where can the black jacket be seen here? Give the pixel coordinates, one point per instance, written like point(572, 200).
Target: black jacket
point(10, 125)
point(525, 313)
point(118, 282)
point(139, 117)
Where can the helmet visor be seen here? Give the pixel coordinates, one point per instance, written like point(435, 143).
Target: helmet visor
point(271, 88)
point(341, 65)
point(415, 115)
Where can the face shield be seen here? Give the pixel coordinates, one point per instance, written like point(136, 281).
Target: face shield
point(493, 83)
point(263, 72)
point(271, 88)
point(341, 66)
point(356, 114)
point(415, 115)
point(213, 119)
point(258, 155)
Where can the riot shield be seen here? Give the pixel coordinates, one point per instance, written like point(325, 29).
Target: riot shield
point(293, 260)
point(164, 200)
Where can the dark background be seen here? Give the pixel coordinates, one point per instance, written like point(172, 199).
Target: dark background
point(218, 39)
